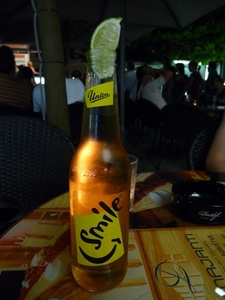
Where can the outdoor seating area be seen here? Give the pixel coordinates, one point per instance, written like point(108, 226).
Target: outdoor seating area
point(169, 139)
point(112, 150)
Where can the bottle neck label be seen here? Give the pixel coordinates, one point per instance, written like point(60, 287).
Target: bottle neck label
point(98, 234)
point(100, 95)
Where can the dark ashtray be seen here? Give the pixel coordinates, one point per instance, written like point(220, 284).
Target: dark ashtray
point(200, 200)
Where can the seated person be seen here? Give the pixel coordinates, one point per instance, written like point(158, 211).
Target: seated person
point(13, 94)
point(151, 85)
point(215, 161)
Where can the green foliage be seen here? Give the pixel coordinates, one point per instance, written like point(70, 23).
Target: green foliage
point(202, 41)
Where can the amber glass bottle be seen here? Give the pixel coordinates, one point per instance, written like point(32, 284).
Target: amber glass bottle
point(100, 187)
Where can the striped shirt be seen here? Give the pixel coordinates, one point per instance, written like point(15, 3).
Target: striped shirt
point(14, 93)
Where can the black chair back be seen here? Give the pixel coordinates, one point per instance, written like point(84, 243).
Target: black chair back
point(13, 110)
point(148, 115)
point(34, 160)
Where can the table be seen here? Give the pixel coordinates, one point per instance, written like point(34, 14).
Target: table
point(162, 216)
point(163, 263)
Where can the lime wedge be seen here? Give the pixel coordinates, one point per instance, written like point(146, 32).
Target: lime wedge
point(104, 41)
point(106, 34)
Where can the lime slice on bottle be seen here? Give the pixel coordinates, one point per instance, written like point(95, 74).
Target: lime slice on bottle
point(107, 34)
point(104, 41)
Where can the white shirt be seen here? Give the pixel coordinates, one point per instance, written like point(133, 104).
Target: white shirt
point(152, 92)
point(74, 92)
point(130, 84)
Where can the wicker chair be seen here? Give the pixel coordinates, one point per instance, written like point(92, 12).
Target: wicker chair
point(34, 160)
point(200, 146)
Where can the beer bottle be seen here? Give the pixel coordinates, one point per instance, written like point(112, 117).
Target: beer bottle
point(100, 185)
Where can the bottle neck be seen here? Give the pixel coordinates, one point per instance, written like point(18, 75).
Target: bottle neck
point(101, 113)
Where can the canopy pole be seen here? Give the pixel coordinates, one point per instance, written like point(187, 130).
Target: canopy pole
point(54, 67)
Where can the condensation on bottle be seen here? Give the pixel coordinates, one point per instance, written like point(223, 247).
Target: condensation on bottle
point(100, 185)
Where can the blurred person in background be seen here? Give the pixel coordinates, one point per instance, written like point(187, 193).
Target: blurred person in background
point(74, 92)
point(212, 73)
point(195, 82)
point(30, 65)
point(151, 85)
point(179, 84)
point(212, 70)
point(13, 94)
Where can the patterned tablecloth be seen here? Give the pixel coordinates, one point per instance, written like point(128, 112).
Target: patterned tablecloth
point(180, 263)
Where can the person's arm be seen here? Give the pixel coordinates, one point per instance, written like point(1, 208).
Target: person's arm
point(33, 70)
point(215, 161)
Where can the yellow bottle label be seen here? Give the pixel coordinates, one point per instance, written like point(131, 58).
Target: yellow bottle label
point(100, 95)
point(98, 234)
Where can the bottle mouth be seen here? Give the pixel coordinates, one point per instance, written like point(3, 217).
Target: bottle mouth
point(101, 61)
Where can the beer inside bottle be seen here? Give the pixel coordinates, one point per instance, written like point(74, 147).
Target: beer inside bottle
point(99, 189)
